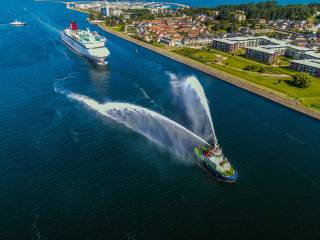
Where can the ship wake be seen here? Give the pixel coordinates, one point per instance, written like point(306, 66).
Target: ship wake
point(45, 23)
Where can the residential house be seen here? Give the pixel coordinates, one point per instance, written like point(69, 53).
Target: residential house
point(262, 54)
point(310, 66)
point(311, 55)
point(225, 45)
point(167, 41)
point(295, 51)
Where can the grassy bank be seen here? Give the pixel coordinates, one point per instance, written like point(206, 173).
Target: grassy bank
point(278, 78)
point(275, 96)
point(263, 80)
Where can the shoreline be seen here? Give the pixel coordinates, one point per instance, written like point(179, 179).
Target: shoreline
point(256, 89)
point(264, 92)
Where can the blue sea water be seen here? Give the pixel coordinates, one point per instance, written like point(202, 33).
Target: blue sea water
point(67, 172)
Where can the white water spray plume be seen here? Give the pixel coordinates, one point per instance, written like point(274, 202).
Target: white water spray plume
point(152, 125)
point(196, 105)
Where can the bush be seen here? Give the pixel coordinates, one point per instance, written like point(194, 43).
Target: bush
point(91, 16)
point(254, 68)
point(301, 80)
point(247, 68)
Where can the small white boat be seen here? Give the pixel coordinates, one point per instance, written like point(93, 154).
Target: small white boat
point(17, 23)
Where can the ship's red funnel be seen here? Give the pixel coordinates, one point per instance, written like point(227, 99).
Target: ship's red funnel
point(73, 26)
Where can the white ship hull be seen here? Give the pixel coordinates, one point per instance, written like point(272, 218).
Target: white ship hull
point(90, 53)
point(19, 24)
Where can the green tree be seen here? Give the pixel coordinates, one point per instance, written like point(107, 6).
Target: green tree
point(216, 27)
point(301, 80)
point(224, 25)
point(232, 28)
point(91, 16)
point(99, 16)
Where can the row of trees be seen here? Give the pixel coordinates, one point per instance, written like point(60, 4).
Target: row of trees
point(140, 14)
point(268, 10)
point(225, 26)
point(211, 12)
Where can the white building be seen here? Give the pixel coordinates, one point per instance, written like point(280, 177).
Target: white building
point(311, 55)
point(111, 12)
point(296, 51)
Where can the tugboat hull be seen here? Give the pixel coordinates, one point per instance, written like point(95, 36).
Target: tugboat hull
point(207, 164)
point(220, 177)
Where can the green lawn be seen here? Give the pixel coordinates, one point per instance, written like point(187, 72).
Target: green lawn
point(218, 58)
point(156, 44)
point(276, 78)
point(313, 103)
point(118, 27)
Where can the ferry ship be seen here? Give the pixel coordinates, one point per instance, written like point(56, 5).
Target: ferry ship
point(216, 163)
point(86, 43)
point(17, 23)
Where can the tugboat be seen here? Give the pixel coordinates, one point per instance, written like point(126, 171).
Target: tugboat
point(216, 163)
